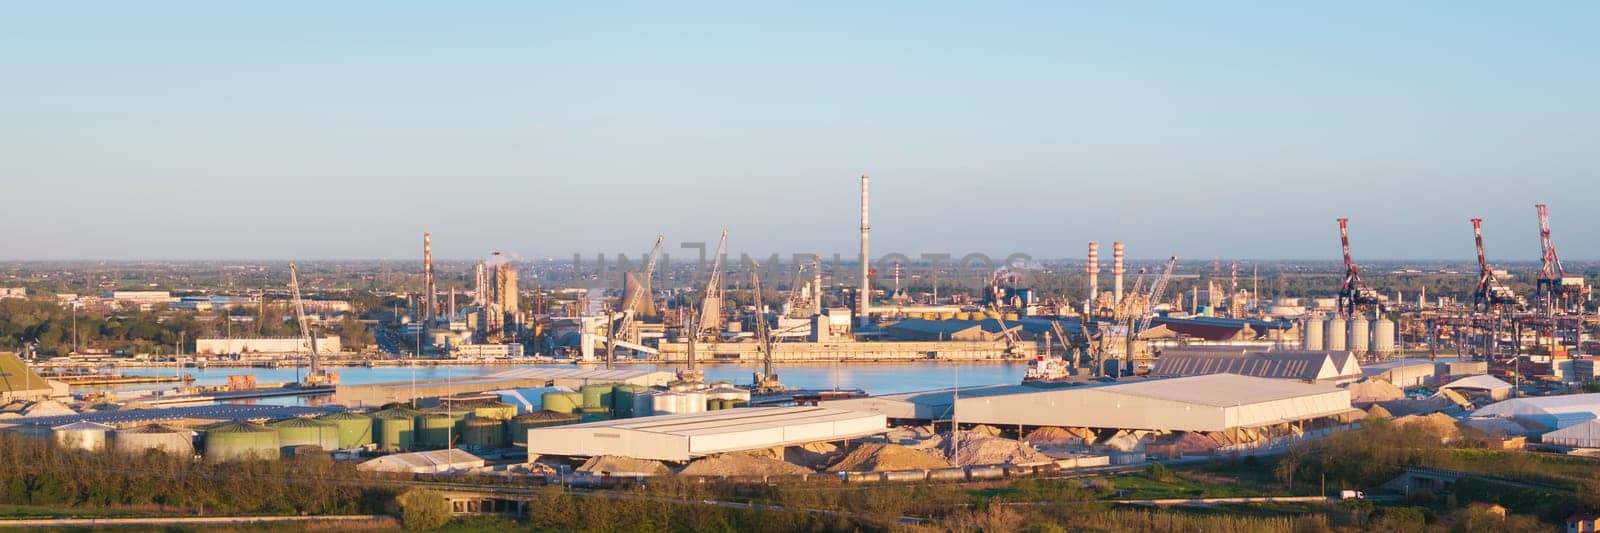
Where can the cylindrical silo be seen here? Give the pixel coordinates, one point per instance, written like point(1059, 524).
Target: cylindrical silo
point(518, 426)
point(395, 429)
point(176, 441)
point(241, 440)
point(1383, 337)
point(355, 430)
point(623, 399)
point(435, 430)
point(81, 435)
point(596, 395)
point(1311, 338)
point(562, 402)
point(595, 414)
point(483, 433)
point(494, 410)
point(295, 432)
point(694, 402)
point(1334, 334)
point(665, 403)
point(1360, 336)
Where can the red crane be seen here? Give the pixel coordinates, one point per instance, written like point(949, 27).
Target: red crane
point(1353, 293)
point(1490, 293)
point(1553, 288)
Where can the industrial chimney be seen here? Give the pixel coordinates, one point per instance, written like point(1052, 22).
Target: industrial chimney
point(1116, 272)
point(1092, 268)
point(863, 297)
point(428, 297)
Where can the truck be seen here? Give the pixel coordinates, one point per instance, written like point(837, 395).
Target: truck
point(1352, 495)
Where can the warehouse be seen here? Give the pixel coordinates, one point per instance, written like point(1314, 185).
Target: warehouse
point(683, 437)
point(1481, 387)
point(1585, 435)
point(917, 329)
point(375, 394)
point(18, 382)
point(429, 462)
point(920, 406)
point(1557, 412)
point(1317, 366)
point(1215, 402)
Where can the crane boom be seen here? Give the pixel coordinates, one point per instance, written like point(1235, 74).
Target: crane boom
point(711, 306)
point(766, 381)
point(1353, 292)
point(630, 307)
point(305, 325)
point(1157, 290)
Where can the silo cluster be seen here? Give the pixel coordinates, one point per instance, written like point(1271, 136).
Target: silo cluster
point(1357, 335)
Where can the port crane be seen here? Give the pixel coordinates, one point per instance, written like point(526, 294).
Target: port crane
point(626, 328)
point(1490, 293)
point(766, 381)
point(710, 321)
point(1553, 288)
point(1354, 293)
point(1157, 289)
point(316, 377)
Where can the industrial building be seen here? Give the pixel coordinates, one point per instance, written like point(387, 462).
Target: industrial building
point(686, 436)
point(375, 394)
point(1485, 387)
point(916, 329)
point(1585, 435)
point(18, 382)
point(264, 345)
point(1557, 412)
point(1215, 402)
point(1216, 329)
point(429, 462)
point(1310, 367)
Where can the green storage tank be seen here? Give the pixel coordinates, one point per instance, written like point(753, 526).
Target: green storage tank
point(596, 395)
point(562, 402)
point(483, 433)
point(296, 432)
point(594, 414)
point(241, 440)
point(737, 403)
point(518, 426)
point(714, 404)
point(622, 399)
point(355, 430)
point(435, 430)
point(494, 411)
point(395, 429)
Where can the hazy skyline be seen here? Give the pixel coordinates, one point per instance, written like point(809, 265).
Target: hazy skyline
point(294, 130)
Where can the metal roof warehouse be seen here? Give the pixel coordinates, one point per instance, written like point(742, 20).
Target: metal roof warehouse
point(1215, 402)
point(683, 437)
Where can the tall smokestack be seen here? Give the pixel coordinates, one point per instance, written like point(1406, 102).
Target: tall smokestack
point(1092, 268)
point(1116, 272)
point(866, 289)
point(427, 278)
point(1233, 277)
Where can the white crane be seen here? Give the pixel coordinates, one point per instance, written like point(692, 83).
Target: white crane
point(625, 327)
point(316, 376)
point(711, 306)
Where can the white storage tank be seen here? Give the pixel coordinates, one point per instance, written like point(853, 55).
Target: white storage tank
point(1312, 336)
point(82, 435)
point(142, 439)
point(694, 402)
point(1333, 338)
point(644, 403)
point(1360, 338)
point(665, 403)
point(1384, 340)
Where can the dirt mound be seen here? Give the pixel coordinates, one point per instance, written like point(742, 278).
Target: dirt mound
point(986, 430)
point(814, 456)
point(623, 466)
point(740, 464)
point(1054, 436)
point(1437, 424)
point(1374, 390)
point(877, 457)
point(973, 448)
point(1377, 411)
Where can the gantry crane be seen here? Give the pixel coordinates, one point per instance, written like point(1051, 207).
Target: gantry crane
point(1553, 289)
point(1490, 293)
point(1354, 293)
point(1157, 289)
point(315, 377)
point(626, 327)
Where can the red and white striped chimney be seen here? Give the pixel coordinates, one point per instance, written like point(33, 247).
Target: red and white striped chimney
point(1092, 268)
point(1116, 272)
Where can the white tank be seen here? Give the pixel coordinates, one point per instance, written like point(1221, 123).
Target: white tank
point(1311, 339)
point(1360, 336)
point(1383, 337)
point(82, 435)
point(664, 404)
point(1333, 338)
point(694, 402)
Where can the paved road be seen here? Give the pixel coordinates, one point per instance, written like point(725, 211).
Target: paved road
point(190, 520)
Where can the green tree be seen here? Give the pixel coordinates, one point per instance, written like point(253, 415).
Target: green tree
point(422, 509)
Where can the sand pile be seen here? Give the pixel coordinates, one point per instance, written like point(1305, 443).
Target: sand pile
point(741, 464)
point(814, 456)
point(623, 466)
point(877, 457)
point(1374, 390)
point(986, 430)
point(1377, 411)
point(1437, 424)
point(973, 448)
point(1058, 437)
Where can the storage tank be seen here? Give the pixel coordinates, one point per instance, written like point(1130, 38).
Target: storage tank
point(644, 403)
point(395, 429)
point(518, 426)
point(713, 404)
point(693, 402)
point(81, 435)
point(1311, 338)
point(1360, 336)
point(594, 414)
point(596, 395)
point(435, 430)
point(1383, 337)
point(622, 399)
point(733, 404)
point(562, 402)
point(241, 440)
point(494, 411)
point(176, 441)
point(1334, 334)
point(483, 433)
point(295, 432)
point(665, 403)
point(355, 430)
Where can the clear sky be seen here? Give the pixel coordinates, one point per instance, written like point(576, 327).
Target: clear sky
point(296, 130)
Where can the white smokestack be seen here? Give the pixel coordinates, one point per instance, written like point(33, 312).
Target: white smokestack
point(1116, 272)
point(1092, 268)
point(866, 289)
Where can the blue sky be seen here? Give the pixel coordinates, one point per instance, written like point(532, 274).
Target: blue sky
point(1231, 129)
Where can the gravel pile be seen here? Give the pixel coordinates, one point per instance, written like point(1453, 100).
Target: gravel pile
point(1057, 437)
point(879, 457)
point(981, 449)
point(623, 466)
point(815, 456)
point(741, 464)
point(1437, 424)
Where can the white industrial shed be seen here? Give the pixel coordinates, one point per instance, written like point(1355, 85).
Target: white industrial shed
point(1214, 402)
point(925, 405)
point(1585, 435)
point(686, 436)
point(1313, 366)
point(1555, 412)
point(1490, 385)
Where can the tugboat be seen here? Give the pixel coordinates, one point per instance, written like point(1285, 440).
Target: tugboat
point(1044, 368)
